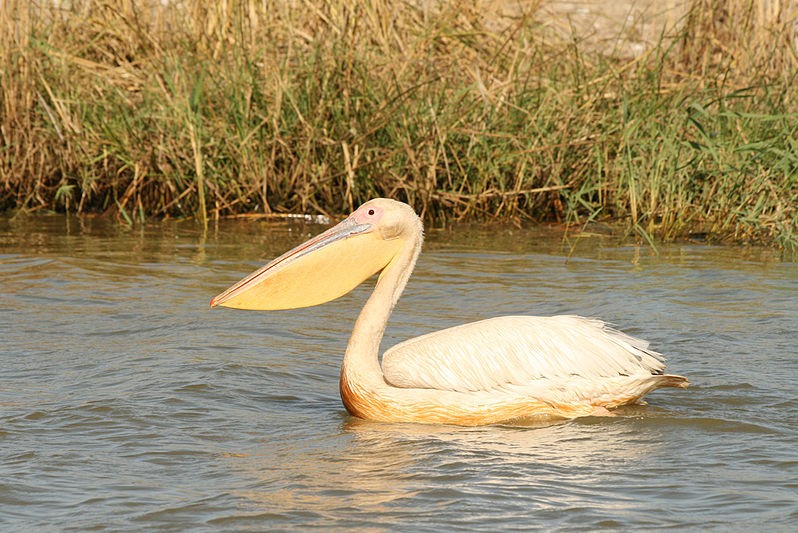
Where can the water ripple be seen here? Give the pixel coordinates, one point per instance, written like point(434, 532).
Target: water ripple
point(125, 404)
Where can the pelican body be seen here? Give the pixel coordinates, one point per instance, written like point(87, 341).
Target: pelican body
point(500, 370)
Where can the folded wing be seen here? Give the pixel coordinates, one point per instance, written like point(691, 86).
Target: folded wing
point(516, 350)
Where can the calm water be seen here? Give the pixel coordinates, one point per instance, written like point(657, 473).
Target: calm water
point(126, 404)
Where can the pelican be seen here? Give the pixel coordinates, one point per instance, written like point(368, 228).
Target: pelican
point(500, 370)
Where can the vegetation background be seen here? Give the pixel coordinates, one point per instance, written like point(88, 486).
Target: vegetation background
point(469, 110)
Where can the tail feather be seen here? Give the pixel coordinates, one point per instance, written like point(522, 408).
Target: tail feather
point(672, 380)
point(633, 391)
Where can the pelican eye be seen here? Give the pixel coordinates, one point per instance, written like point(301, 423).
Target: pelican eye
point(371, 212)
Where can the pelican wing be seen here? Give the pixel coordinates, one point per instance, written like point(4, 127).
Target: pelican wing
point(516, 350)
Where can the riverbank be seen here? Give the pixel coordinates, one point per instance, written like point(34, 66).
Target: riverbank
point(469, 112)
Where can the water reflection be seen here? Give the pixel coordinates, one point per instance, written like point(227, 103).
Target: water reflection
point(373, 467)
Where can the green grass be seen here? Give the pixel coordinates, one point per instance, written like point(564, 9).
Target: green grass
point(190, 110)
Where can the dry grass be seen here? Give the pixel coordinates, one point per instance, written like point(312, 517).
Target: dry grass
point(211, 109)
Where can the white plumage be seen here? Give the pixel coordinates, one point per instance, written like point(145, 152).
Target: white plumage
point(515, 350)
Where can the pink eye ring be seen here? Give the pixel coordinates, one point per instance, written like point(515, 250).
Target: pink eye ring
point(368, 215)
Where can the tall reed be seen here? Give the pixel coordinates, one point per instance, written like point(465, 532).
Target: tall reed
point(191, 108)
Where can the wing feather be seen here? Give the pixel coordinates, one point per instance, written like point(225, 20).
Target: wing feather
point(517, 350)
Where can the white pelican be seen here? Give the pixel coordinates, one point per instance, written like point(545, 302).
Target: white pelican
point(499, 370)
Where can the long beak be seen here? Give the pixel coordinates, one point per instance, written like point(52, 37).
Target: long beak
point(317, 271)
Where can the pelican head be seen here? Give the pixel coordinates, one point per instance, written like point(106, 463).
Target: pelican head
point(330, 264)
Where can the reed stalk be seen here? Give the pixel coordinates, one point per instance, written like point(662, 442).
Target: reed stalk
point(468, 112)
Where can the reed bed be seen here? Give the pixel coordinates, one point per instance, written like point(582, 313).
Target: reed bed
point(466, 110)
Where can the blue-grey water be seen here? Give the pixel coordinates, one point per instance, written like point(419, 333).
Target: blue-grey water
point(126, 404)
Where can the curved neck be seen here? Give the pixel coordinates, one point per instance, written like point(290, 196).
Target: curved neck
point(361, 365)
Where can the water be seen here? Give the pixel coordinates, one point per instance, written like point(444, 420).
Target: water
point(126, 404)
